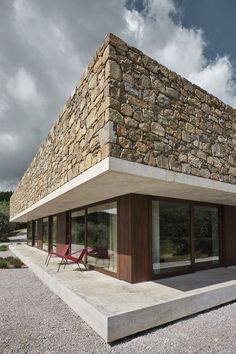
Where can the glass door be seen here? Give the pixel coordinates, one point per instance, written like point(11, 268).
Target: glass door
point(185, 236)
point(206, 235)
point(171, 236)
point(77, 233)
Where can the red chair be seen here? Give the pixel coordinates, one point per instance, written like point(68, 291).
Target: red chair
point(61, 254)
point(73, 259)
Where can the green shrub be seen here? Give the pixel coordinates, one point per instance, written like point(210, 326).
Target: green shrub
point(9, 258)
point(3, 263)
point(3, 248)
point(16, 262)
point(4, 238)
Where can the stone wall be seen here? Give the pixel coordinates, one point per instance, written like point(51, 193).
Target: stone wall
point(163, 120)
point(131, 107)
point(78, 140)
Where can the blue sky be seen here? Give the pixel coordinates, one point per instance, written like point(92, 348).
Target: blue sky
point(217, 19)
point(45, 46)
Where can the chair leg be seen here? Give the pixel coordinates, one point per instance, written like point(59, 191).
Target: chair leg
point(60, 264)
point(79, 267)
point(85, 265)
point(49, 258)
point(65, 264)
point(46, 259)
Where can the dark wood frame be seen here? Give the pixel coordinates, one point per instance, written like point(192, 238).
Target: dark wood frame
point(33, 233)
point(192, 267)
point(85, 209)
point(126, 217)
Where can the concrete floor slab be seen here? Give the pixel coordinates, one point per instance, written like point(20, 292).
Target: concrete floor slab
point(116, 309)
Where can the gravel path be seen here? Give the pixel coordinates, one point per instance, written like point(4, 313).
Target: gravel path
point(34, 320)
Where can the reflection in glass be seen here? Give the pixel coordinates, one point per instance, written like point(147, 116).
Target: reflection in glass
point(45, 234)
point(30, 233)
point(206, 230)
point(77, 230)
point(171, 235)
point(36, 233)
point(102, 236)
point(54, 234)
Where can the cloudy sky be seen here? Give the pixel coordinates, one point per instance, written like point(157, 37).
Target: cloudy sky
point(45, 45)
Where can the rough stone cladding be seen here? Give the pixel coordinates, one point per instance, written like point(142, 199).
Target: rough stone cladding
point(78, 140)
point(129, 106)
point(163, 120)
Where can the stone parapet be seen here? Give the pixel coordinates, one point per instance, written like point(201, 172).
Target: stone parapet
point(129, 106)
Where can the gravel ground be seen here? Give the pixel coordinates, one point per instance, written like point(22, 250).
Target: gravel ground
point(34, 320)
point(5, 254)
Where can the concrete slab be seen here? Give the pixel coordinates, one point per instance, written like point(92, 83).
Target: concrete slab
point(116, 309)
point(125, 177)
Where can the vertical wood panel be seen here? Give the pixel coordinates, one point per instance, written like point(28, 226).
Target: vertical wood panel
point(229, 235)
point(134, 238)
point(140, 233)
point(124, 239)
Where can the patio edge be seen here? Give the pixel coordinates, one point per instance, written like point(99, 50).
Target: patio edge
point(95, 319)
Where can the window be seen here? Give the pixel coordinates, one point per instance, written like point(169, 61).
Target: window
point(102, 236)
point(77, 230)
point(53, 234)
point(45, 234)
point(206, 232)
point(171, 235)
point(30, 233)
point(176, 245)
point(36, 224)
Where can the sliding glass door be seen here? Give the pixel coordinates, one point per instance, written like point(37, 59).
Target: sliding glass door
point(206, 235)
point(185, 236)
point(77, 230)
point(95, 228)
point(45, 234)
point(102, 236)
point(53, 233)
point(171, 236)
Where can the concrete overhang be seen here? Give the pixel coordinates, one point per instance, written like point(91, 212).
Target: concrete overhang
point(113, 177)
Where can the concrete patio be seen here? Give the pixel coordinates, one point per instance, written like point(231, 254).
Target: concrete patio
point(116, 309)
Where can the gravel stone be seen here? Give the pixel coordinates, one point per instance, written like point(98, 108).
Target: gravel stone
point(34, 320)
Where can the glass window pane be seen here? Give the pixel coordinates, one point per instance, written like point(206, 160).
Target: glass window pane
point(54, 233)
point(102, 236)
point(36, 233)
point(77, 230)
point(206, 230)
point(171, 235)
point(45, 234)
point(30, 233)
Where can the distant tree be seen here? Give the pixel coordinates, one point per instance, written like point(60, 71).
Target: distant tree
point(5, 196)
point(4, 224)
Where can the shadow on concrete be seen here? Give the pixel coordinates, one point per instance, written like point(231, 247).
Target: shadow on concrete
point(199, 279)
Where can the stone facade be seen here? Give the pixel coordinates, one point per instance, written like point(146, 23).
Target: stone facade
point(131, 107)
point(163, 120)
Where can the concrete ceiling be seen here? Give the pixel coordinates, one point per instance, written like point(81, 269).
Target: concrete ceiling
point(113, 177)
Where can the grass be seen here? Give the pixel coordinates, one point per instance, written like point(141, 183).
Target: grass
point(3, 263)
point(4, 238)
point(3, 248)
point(10, 262)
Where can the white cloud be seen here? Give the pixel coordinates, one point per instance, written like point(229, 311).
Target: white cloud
point(8, 143)
point(218, 78)
point(180, 49)
point(3, 105)
point(45, 46)
point(22, 87)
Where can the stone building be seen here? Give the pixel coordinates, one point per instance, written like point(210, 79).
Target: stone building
point(140, 167)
